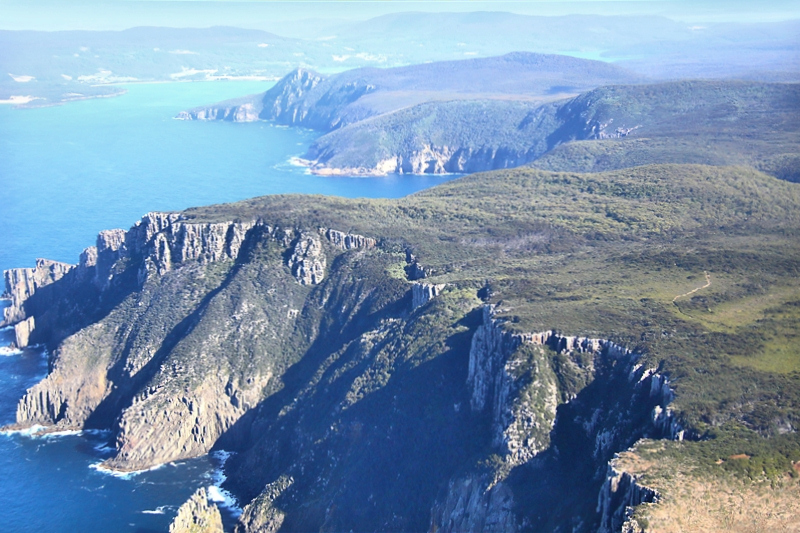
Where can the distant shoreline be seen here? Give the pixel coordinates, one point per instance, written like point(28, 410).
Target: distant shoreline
point(30, 101)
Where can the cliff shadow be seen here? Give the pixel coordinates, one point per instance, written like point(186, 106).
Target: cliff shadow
point(561, 485)
point(394, 446)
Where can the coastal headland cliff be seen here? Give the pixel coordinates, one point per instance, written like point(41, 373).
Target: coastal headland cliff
point(472, 357)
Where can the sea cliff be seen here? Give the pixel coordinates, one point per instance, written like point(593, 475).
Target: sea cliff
point(470, 357)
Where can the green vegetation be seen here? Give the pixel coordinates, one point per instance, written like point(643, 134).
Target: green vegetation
point(701, 122)
point(604, 255)
point(363, 401)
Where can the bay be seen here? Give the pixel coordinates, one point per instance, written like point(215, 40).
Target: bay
point(67, 172)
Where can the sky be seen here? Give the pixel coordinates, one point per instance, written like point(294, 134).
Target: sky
point(273, 15)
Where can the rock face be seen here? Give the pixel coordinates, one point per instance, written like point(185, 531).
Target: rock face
point(262, 514)
point(197, 515)
point(307, 260)
point(235, 111)
point(476, 504)
point(523, 407)
point(619, 496)
point(22, 283)
point(285, 101)
point(163, 365)
point(422, 293)
point(348, 241)
point(22, 332)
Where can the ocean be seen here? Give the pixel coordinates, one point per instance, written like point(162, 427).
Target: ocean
point(67, 172)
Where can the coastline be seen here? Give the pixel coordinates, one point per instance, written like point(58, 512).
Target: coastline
point(29, 101)
point(315, 169)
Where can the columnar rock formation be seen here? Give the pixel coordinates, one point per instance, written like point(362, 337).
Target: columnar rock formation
point(523, 407)
point(347, 241)
point(422, 293)
point(620, 494)
point(22, 283)
point(197, 515)
point(22, 332)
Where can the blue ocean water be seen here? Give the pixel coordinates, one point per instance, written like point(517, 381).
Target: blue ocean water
point(67, 172)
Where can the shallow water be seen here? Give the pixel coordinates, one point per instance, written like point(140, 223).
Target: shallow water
point(67, 172)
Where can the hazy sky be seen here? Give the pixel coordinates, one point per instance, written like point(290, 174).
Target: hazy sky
point(272, 15)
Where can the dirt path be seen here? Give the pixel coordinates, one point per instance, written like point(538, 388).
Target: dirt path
point(708, 284)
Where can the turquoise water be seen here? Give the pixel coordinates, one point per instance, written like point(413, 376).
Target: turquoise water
point(66, 173)
point(50, 483)
point(70, 171)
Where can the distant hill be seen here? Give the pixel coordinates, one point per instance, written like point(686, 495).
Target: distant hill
point(656, 46)
point(710, 122)
point(325, 103)
point(67, 65)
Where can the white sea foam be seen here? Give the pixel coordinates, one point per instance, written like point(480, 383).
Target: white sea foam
point(58, 434)
point(104, 448)
point(8, 351)
point(158, 510)
point(218, 495)
point(98, 432)
point(119, 474)
point(28, 432)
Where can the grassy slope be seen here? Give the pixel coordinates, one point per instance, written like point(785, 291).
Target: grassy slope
point(718, 123)
point(605, 255)
point(692, 501)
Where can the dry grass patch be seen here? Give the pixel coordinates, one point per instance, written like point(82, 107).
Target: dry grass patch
point(709, 503)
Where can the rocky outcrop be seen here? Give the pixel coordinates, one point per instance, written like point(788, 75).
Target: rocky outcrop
point(184, 426)
point(261, 515)
point(475, 504)
point(22, 332)
point(166, 241)
point(517, 378)
point(236, 111)
point(347, 241)
point(422, 293)
point(618, 498)
point(197, 515)
point(285, 102)
point(134, 368)
point(524, 404)
point(22, 283)
point(307, 261)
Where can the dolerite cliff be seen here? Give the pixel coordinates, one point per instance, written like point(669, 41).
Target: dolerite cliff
point(126, 356)
point(197, 515)
point(461, 359)
point(399, 122)
point(236, 333)
point(607, 401)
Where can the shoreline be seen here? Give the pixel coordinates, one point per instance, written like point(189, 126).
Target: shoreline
point(315, 169)
point(28, 101)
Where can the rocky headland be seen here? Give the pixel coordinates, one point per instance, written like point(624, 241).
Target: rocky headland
point(520, 109)
point(453, 361)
